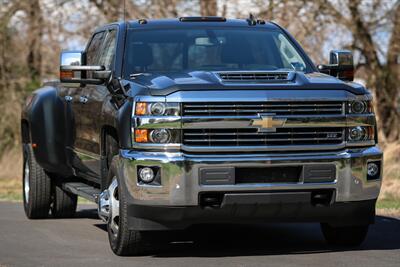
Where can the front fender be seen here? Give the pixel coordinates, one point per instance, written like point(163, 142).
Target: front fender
point(47, 125)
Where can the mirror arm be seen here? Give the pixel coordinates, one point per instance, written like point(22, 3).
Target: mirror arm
point(81, 68)
point(115, 87)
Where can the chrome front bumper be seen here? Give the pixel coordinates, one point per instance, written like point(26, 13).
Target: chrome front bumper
point(180, 174)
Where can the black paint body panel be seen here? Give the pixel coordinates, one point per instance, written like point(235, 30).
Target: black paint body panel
point(48, 131)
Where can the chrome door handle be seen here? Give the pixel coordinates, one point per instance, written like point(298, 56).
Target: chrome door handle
point(68, 98)
point(83, 99)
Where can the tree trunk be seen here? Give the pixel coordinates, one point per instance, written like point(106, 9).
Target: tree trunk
point(35, 34)
point(388, 94)
point(208, 7)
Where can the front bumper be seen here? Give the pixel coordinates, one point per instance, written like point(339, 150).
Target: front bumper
point(178, 194)
point(180, 174)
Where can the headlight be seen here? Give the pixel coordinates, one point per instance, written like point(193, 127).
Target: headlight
point(156, 136)
point(360, 107)
point(357, 134)
point(156, 109)
point(160, 136)
point(360, 134)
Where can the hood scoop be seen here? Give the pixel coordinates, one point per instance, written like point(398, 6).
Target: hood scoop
point(255, 76)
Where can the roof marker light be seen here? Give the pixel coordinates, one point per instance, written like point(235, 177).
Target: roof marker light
point(202, 19)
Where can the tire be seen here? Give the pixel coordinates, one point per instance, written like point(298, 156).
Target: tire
point(344, 236)
point(124, 242)
point(64, 203)
point(36, 189)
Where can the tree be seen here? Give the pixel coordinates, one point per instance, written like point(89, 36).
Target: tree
point(363, 20)
point(35, 35)
point(208, 7)
point(359, 21)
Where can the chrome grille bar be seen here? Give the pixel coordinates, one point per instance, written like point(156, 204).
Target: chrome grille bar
point(249, 108)
point(252, 137)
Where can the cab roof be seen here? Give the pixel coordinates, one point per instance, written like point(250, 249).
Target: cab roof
point(185, 22)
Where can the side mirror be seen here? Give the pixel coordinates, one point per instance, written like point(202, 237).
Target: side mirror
point(340, 65)
point(72, 70)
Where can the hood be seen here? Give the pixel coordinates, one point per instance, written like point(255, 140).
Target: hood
point(161, 84)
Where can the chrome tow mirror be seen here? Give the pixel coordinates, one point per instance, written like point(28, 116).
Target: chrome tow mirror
point(340, 65)
point(72, 70)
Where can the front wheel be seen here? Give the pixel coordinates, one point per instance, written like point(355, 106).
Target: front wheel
point(114, 208)
point(344, 236)
point(36, 186)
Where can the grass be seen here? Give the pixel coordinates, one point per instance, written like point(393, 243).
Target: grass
point(388, 204)
point(10, 189)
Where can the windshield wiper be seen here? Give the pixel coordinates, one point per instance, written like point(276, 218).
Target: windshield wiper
point(135, 75)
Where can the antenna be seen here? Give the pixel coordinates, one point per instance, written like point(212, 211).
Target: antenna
point(124, 10)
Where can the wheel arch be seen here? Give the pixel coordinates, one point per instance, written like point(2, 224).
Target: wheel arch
point(43, 125)
point(25, 132)
point(107, 147)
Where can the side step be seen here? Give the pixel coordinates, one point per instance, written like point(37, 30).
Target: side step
point(83, 190)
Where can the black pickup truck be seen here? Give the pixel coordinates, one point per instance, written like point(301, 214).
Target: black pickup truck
point(170, 123)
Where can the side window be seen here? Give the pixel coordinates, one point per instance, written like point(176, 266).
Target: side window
point(108, 50)
point(93, 49)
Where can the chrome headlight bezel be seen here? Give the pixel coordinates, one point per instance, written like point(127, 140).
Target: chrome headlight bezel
point(367, 135)
point(157, 109)
point(359, 107)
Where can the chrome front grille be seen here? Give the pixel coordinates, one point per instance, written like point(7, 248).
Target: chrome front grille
point(255, 108)
point(252, 137)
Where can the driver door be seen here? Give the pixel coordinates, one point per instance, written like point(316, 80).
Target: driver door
point(85, 162)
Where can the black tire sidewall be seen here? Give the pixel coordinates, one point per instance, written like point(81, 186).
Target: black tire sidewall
point(114, 241)
point(26, 158)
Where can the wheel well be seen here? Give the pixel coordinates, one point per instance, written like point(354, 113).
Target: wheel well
point(25, 132)
point(108, 131)
point(109, 148)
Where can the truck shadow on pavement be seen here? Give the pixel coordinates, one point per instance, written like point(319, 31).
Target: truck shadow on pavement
point(266, 239)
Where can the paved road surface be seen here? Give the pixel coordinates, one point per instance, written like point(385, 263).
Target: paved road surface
point(83, 242)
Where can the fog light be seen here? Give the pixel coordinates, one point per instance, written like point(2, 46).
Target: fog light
point(373, 169)
point(357, 133)
point(146, 174)
point(160, 136)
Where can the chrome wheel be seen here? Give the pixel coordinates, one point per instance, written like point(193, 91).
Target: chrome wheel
point(109, 206)
point(26, 181)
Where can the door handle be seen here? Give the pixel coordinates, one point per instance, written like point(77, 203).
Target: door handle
point(68, 98)
point(83, 99)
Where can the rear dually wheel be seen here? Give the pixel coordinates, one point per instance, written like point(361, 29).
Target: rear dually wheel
point(36, 186)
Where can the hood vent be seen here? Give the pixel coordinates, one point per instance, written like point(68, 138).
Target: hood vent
point(255, 76)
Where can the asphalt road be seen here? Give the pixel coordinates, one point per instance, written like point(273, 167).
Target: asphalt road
point(82, 241)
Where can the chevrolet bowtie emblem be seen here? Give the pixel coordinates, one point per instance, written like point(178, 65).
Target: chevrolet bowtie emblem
point(268, 123)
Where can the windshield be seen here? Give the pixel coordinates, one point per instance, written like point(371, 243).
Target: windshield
point(175, 50)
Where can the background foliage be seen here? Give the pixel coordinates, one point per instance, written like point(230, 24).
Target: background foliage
point(33, 32)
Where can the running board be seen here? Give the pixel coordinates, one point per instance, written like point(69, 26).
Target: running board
point(83, 190)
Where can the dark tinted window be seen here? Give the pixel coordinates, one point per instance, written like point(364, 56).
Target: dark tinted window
point(93, 49)
point(210, 49)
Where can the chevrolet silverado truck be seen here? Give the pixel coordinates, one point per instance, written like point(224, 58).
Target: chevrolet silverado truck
point(202, 120)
